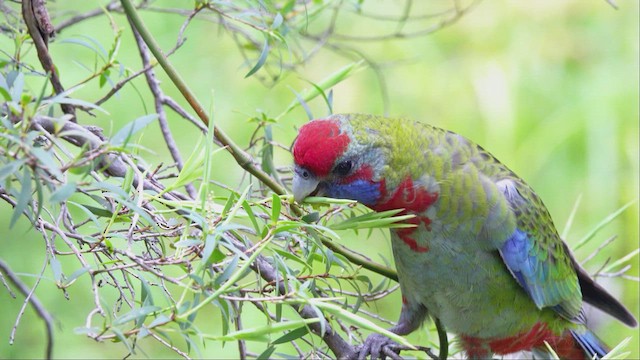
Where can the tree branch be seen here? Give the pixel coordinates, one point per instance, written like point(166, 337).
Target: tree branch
point(242, 158)
point(158, 97)
point(340, 348)
point(35, 303)
point(40, 28)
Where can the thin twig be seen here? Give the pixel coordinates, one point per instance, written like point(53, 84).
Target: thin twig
point(599, 249)
point(112, 6)
point(165, 343)
point(35, 303)
point(242, 344)
point(158, 96)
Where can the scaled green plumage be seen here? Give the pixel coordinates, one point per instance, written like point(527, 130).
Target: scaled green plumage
point(485, 257)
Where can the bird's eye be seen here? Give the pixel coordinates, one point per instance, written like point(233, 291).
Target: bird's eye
point(305, 174)
point(343, 168)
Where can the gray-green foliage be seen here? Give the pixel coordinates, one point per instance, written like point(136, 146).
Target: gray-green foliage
point(161, 248)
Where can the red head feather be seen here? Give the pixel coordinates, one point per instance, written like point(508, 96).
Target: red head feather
point(318, 145)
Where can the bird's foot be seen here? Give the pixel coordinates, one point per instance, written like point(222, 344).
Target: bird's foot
point(378, 347)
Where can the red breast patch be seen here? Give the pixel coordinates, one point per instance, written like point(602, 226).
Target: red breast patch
point(414, 199)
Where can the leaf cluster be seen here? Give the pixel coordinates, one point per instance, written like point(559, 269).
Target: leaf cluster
point(163, 248)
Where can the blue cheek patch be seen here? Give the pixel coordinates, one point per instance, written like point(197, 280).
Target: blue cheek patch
point(362, 191)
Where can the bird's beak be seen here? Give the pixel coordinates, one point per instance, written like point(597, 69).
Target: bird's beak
point(303, 187)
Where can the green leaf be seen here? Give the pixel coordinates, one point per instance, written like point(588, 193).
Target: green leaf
point(618, 351)
point(319, 200)
point(86, 331)
point(56, 269)
point(17, 87)
point(330, 81)
point(146, 295)
point(622, 260)
point(292, 257)
point(267, 152)
point(210, 244)
point(93, 45)
point(262, 59)
point(117, 190)
point(247, 208)
point(235, 277)
point(135, 314)
point(311, 217)
point(304, 105)
point(266, 354)
point(602, 224)
point(104, 77)
point(161, 319)
point(292, 335)
point(372, 220)
point(88, 212)
point(5, 94)
point(63, 192)
point(262, 333)
point(277, 21)
point(228, 271)
point(276, 207)
point(358, 320)
point(76, 274)
point(288, 6)
point(11, 168)
point(63, 98)
point(94, 210)
point(46, 159)
point(328, 99)
point(138, 210)
point(24, 198)
point(122, 338)
point(123, 135)
point(193, 168)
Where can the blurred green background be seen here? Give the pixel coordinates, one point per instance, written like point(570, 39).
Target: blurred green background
point(549, 87)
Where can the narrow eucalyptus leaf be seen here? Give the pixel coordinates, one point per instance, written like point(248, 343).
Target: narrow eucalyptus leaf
point(63, 193)
point(276, 207)
point(266, 354)
point(262, 59)
point(76, 274)
point(23, 198)
point(292, 335)
point(228, 271)
point(11, 168)
point(161, 319)
point(135, 314)
point(124, 134)
point(56, 269)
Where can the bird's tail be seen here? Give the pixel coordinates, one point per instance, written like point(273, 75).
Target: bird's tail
point(574, 344)
point(589, 342)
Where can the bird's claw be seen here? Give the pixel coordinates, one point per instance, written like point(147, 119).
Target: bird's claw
point(378, 347)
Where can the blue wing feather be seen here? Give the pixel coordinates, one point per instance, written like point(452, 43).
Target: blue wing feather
point(548, 278)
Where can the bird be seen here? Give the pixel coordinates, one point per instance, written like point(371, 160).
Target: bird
point(482, 255)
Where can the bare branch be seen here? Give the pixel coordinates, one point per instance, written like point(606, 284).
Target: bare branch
point(39, 26)
point(158, 96)
point(112, 6)
point(35, 303)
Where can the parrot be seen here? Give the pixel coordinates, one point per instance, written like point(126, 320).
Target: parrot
point(482, 255)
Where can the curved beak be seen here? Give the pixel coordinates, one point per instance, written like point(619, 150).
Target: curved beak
point(303, 187)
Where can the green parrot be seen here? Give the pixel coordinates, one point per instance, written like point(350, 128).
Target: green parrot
point(484, 256)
